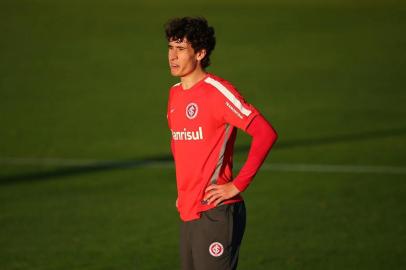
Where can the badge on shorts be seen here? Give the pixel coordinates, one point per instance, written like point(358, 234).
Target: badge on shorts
point(191, 110)
point(216, 249)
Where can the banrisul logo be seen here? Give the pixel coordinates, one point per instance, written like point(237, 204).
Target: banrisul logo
point(191, 110)
point(188, 135)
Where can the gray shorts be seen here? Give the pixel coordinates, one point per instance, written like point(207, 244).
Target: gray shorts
point(213, 241)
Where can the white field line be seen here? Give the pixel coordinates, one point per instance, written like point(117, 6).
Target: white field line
point(330, 168)
point(48, 161)
point(280, 167)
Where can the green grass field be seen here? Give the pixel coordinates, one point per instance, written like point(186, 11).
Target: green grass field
point(85, 181)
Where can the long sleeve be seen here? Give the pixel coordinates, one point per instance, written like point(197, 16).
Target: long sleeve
point(263, 138)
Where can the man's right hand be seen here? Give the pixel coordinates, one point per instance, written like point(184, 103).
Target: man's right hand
point(176, 203)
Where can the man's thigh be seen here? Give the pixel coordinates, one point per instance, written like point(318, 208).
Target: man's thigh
point(185, 246)
point(216, 237)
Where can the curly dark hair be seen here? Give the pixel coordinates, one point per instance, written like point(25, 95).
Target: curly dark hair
point(196, 31)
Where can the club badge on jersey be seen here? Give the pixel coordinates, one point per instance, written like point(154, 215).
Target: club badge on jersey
point(191, 110)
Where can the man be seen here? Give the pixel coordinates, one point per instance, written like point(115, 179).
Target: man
point(203, 114)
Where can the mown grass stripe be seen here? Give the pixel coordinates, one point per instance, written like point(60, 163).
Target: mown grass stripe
point(281, 167)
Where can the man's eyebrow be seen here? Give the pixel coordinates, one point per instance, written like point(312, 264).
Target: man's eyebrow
point(177, 46)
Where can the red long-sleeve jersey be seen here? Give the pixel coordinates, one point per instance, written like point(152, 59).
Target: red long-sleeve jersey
point(203, 121)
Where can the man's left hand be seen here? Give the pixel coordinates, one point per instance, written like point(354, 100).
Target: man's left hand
point(215, 194)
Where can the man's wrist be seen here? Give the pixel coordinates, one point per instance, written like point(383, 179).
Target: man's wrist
point(238, 185)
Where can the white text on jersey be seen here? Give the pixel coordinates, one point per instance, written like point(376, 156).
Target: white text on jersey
point(187, 135)
point(234, 110)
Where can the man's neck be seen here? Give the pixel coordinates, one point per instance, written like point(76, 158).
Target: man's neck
point(191, 79)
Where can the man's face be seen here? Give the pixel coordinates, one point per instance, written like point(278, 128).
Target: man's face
point(182, 58)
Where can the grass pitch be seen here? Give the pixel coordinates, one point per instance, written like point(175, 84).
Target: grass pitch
point(83, 89)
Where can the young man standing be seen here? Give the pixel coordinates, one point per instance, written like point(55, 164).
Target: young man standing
point(203, 114)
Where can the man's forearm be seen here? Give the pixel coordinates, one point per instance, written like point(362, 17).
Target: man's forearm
point(263, 138)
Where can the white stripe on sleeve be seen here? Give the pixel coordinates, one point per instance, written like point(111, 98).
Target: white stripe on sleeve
point(236, 102)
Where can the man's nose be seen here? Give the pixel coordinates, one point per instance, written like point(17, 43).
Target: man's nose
point(173, 55)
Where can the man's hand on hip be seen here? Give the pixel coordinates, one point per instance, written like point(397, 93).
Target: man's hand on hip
point(215, 194)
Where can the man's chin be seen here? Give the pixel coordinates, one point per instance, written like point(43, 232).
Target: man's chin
point(175, 73)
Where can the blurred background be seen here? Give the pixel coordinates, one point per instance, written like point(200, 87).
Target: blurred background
point(86, 178)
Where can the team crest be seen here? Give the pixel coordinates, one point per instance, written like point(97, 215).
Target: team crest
point(191, 110)
point(216, 249)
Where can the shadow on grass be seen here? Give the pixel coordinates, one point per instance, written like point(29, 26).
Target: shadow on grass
point(83, 169)
point(136, 163)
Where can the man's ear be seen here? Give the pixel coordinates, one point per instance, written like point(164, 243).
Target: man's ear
point(200, 54)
